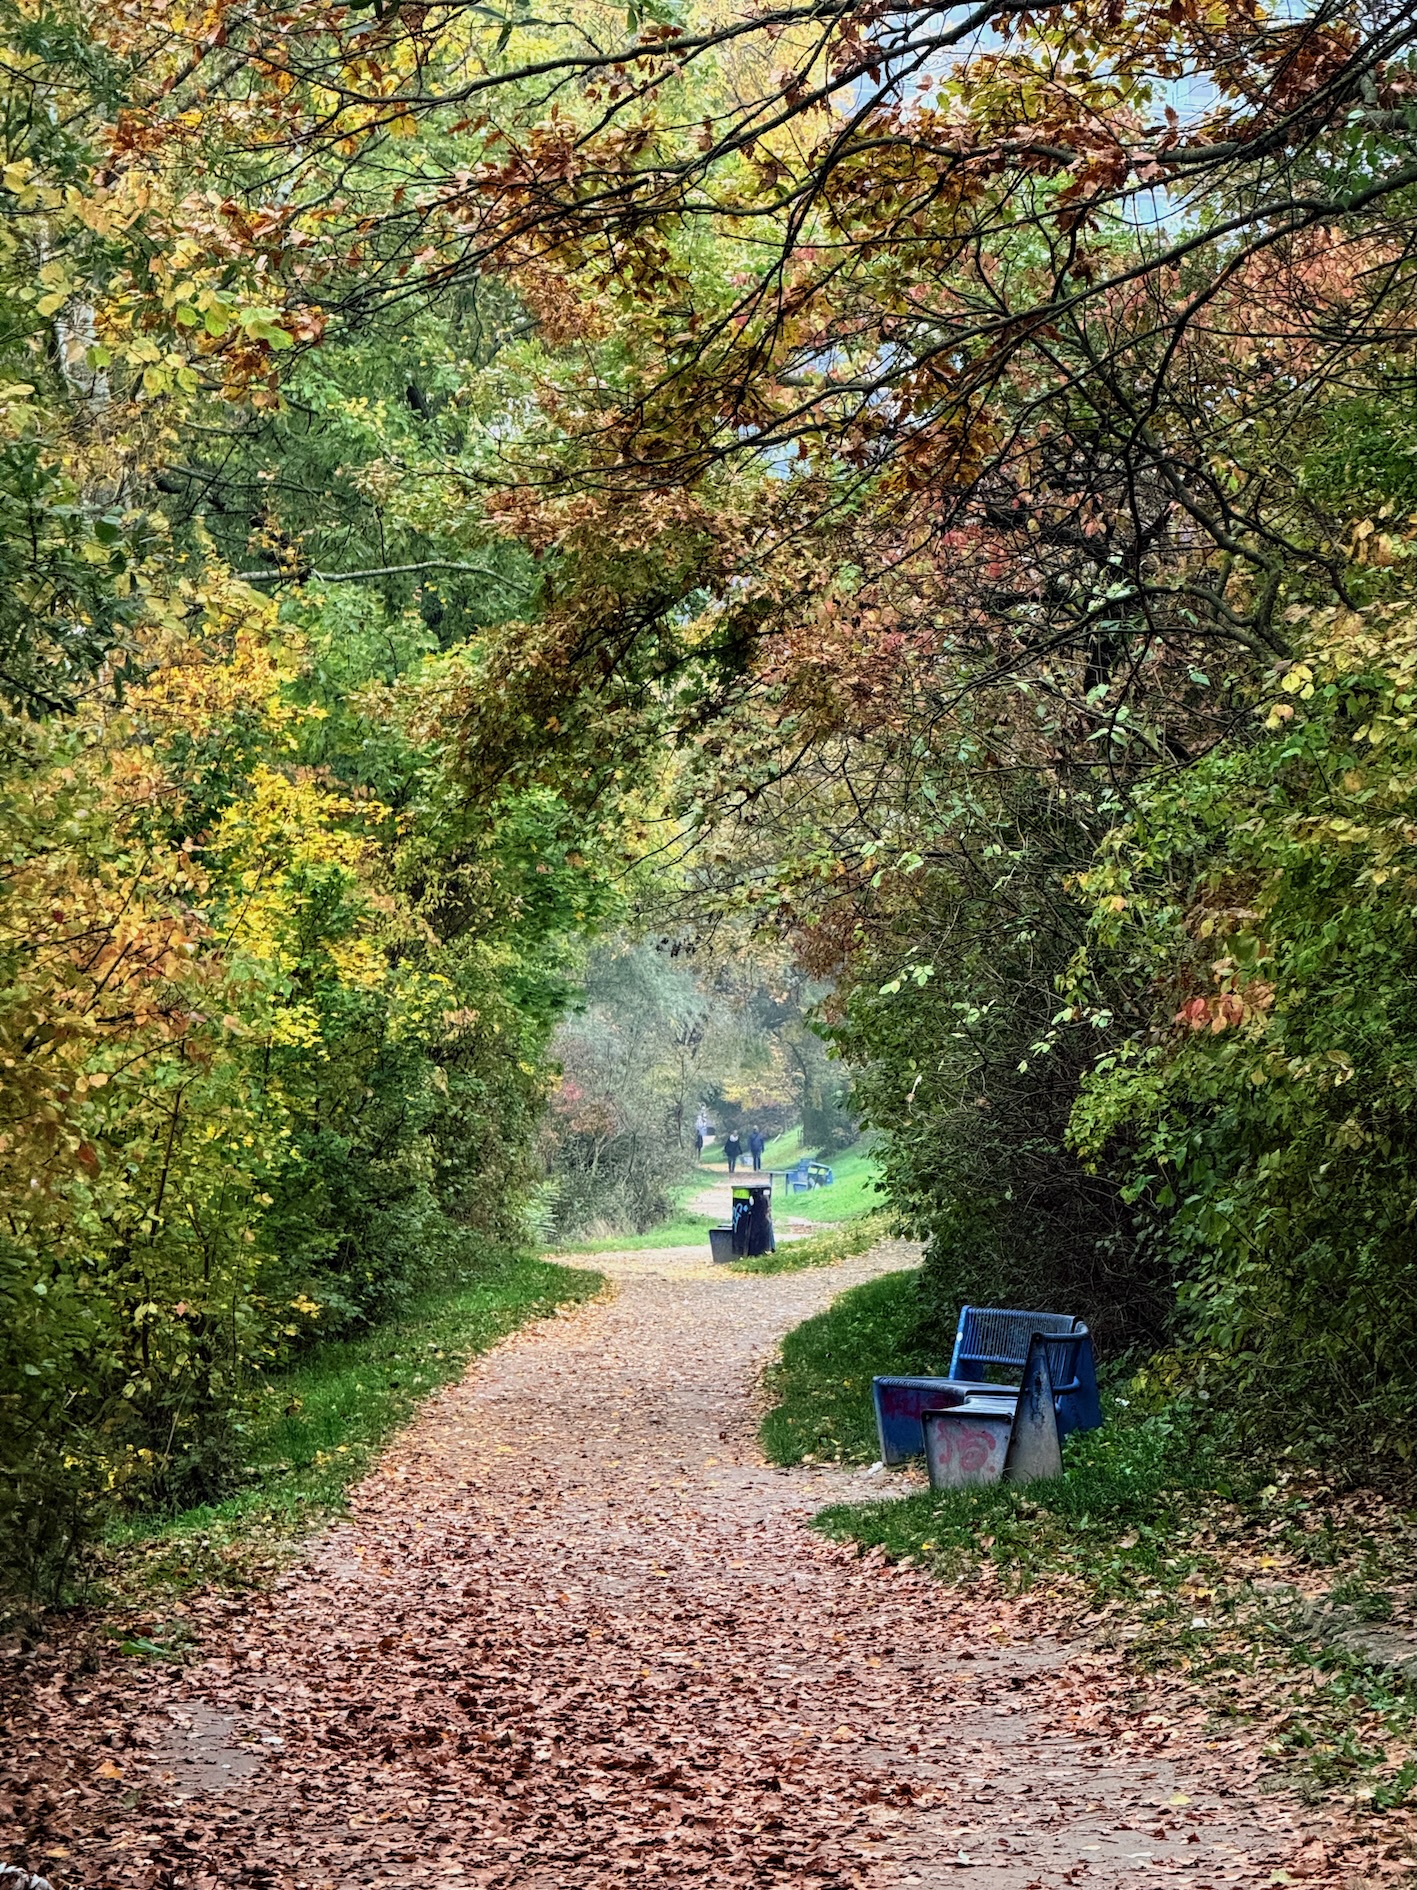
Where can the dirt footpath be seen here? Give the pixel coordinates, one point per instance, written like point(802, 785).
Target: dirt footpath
point(575, 1633)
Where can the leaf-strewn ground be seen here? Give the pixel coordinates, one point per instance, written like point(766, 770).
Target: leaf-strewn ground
point(575, 1633)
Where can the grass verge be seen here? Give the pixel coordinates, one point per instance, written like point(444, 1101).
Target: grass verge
point(1228, 1576)
point(855, 1190)
point(821, 1383)
point(820, 1250)
point(318, 1426)
point(681, 1230)
point(1243, 1588)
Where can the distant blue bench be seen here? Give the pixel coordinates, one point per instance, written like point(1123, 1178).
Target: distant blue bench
point(992, 1339)
point(804, 1175)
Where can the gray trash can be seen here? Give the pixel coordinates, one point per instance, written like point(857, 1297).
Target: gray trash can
point(720, 1243)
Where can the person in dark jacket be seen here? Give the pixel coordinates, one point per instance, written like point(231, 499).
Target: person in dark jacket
point(756, 1145)
point(732, 1148)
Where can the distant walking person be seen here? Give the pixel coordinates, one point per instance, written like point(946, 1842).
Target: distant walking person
point(698, 1145)
point(756, 1145)
point(732, 1148)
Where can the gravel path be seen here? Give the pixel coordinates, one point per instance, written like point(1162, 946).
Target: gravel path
point(575, 1634)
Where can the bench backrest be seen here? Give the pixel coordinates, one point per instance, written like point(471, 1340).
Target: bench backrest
point(990, 1336)
point(995, 1335)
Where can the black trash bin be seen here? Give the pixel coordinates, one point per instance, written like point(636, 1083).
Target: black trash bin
point(752, 1218)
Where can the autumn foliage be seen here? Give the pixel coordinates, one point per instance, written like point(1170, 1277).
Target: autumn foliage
point(909, 480)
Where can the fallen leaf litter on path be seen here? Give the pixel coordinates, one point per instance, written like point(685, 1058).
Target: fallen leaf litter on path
point(575, 1635)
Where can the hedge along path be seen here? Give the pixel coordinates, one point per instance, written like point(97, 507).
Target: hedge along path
point(575, 1633)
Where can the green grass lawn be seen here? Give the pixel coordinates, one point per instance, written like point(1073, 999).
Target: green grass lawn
point(681, 1230)
point(317, 1426)
point(822, 1382)
point(854, 1190)
point(786, 1148)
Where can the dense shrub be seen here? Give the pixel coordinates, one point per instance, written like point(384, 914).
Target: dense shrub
point(1261, 1117)
point(949, 1027)
point(254, 1093)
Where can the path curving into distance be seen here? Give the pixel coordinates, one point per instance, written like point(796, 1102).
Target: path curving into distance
point(576, 1634)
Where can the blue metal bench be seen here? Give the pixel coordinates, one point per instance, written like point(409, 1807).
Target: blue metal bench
point(803, 1176)
point(992, 1339)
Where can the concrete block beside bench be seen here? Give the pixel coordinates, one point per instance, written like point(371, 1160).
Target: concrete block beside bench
point(993, 1339)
